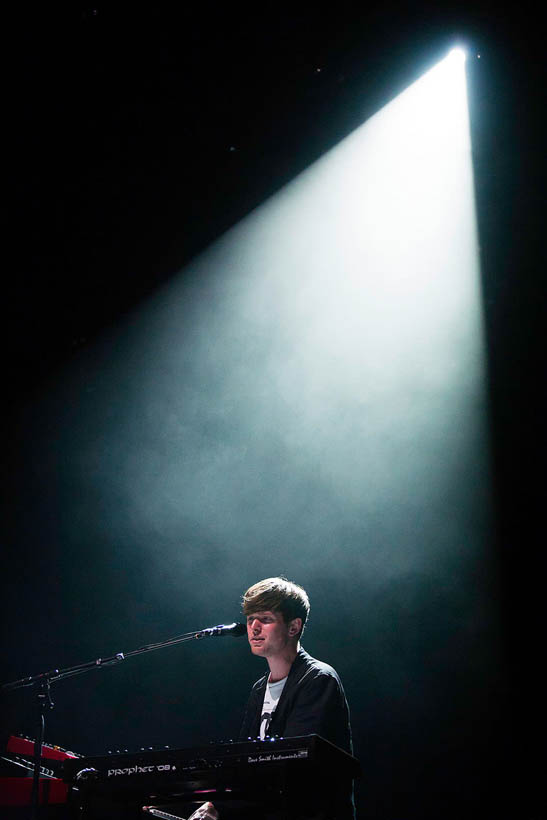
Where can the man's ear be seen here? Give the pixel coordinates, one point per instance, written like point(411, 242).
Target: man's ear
point(295, 627)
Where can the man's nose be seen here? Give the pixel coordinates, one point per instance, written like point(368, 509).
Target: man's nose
point(255, 625)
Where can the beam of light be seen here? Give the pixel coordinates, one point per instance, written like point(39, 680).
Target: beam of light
point(314, 380)
point(321, 365)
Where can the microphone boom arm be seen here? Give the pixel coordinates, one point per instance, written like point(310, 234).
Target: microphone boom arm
point(234, 629)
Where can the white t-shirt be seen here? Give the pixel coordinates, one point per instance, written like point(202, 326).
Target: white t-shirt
point(271, 699)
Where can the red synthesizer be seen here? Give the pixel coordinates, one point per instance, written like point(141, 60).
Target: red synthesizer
point(16, 791)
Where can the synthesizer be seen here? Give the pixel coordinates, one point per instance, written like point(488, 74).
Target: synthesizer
point(18, 760)
point(209, 766)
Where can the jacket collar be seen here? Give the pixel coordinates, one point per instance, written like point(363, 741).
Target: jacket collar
point(296, 672)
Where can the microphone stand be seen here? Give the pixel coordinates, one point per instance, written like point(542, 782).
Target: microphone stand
point(44, 702)
point(44, 680)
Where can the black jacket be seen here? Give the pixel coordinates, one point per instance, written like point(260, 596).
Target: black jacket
point(312, 702)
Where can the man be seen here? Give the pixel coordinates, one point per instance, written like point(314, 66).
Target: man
point(299, 695)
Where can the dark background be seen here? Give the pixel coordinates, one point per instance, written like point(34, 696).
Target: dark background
point(135, 139)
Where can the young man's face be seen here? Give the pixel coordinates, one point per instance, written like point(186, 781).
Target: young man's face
point(269, 634)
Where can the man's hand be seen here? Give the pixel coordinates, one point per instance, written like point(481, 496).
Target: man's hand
point(205, 812)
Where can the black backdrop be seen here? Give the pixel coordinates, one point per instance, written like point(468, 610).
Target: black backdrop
point(139, 137)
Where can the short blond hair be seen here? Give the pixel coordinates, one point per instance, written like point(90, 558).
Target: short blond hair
point(277, 595)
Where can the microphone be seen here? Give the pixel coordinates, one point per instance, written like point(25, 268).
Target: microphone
point(235, 630)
